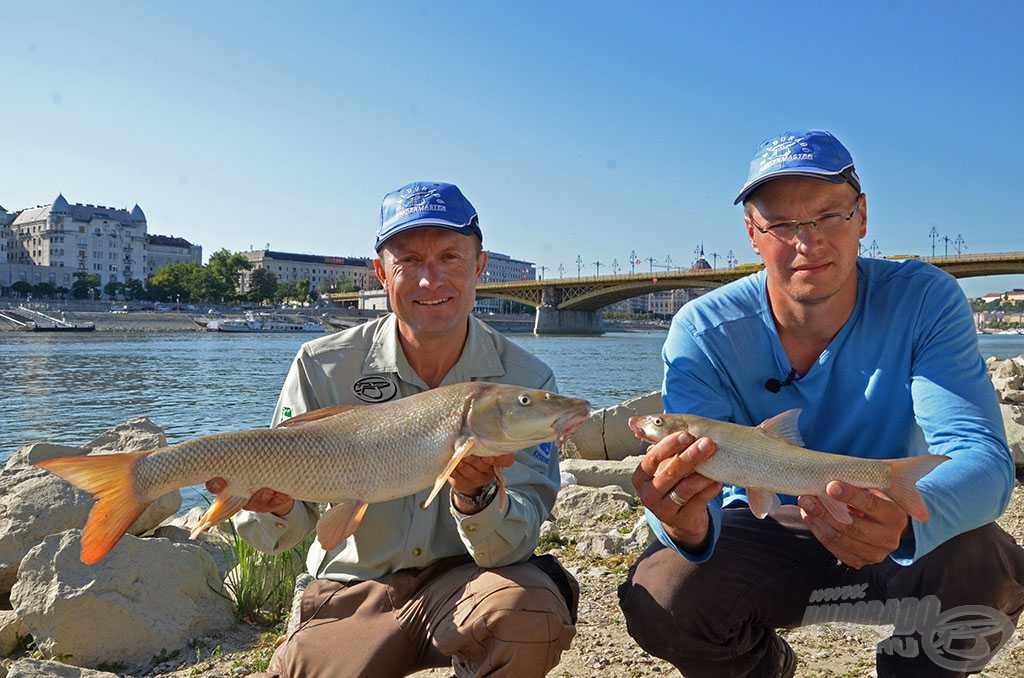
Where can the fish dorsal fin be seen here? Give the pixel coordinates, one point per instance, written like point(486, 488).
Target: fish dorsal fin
point(784, 426)
point(314, 415)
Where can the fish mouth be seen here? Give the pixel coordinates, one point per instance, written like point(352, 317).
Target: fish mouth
point(635, 427)
point(570, 422)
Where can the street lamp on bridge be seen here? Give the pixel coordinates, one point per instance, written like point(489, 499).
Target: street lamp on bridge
point(615, 266)
point(730, 260)
point(633, 261)
point(650, 260)
point(579, 266)
point(946, 240)
point(597, 265)
point(960, 244)
point(561, 270)
point(933, 234)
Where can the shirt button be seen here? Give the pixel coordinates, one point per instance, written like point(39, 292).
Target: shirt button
point(417, 552)
point(471, 527)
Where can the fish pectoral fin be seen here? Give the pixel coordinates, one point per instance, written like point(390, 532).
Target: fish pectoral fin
point(784, 425)
point(340, 522)
point(315, 415)
point(837, 509)
point(222, 508)
point(762, 502)
point(461, 452)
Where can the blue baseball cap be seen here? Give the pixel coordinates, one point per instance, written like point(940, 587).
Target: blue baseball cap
point(426, 203)
point(804, 153)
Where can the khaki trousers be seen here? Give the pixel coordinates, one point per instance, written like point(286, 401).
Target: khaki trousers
point(509, 621)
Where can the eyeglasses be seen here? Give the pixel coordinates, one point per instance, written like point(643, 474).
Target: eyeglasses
point(787, 231)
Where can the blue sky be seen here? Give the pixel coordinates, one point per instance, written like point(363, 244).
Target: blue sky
point(576, 130)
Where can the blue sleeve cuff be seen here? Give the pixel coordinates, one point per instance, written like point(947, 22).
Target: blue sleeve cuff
point(715, 517)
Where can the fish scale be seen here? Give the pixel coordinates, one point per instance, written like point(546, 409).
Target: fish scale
point(291, 460)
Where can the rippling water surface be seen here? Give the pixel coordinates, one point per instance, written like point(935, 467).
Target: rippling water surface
point(68, 388)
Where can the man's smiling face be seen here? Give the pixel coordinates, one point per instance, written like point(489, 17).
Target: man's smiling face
point(430, 275)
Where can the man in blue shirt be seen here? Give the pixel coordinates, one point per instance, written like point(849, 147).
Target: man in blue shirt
point(881, 358)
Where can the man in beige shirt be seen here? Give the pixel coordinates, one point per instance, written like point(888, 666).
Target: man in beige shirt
point(455, 583)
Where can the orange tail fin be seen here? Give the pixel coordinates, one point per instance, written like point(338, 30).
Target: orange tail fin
point(110, 478)
point(905, 474)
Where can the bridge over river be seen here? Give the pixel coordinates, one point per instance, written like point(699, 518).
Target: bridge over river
point(573, 305)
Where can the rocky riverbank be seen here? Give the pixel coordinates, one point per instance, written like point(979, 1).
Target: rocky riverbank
point(158, 605)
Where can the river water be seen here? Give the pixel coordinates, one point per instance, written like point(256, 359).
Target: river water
point(67, 388)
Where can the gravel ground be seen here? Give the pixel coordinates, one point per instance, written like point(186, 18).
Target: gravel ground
point(603, 648)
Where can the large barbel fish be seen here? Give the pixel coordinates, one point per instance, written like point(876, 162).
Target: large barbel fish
point(771, 458)
point(349, 457)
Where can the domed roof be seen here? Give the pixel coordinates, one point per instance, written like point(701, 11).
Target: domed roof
point(700, 265)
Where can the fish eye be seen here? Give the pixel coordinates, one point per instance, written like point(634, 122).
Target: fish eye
point(524, 399)
point(658, 421)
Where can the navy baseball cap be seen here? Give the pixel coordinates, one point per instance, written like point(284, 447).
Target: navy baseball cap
point(804, 153)
point(426, 203)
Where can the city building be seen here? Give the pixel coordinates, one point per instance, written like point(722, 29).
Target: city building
point(50, 243)
point(319, 270)
point(503, 268)
point(167, 249)
point(5, 233)
point(1012, 296)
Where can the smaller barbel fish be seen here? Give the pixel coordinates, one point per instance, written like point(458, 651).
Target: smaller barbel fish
point(771, 458)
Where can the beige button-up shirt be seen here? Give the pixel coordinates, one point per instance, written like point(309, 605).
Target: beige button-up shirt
point(364, 365)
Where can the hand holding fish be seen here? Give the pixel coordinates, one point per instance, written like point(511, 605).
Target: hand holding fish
point(472, 474)
point(667, 483)
point(264, 500)
point(878, 524)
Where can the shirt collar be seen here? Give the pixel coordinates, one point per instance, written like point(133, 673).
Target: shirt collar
point(479, 359)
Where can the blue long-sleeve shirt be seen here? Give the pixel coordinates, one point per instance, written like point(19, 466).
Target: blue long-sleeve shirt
point(902, 377)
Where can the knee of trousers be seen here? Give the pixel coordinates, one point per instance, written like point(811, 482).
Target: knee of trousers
point(979, 567)
point(522, 616)
point(670, 618)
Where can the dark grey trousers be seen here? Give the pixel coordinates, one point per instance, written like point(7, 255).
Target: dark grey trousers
point(719, 618)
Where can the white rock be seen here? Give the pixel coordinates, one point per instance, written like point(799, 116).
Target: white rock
point(603, 472)
point(566, 478)
point(132, 435)
point(211, 542)
point(36, 668)
point(606, 435)
point(580, 506)
point(36, 452)
point(12, 630)
point(35, 503)
point(1013, 420)
point(147, 597)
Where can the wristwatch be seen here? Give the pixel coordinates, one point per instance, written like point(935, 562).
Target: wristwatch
point(481, 499)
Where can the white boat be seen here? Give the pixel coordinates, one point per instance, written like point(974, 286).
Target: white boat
point(263, 322)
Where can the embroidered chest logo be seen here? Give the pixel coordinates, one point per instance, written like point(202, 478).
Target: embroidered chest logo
point(374, 389)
